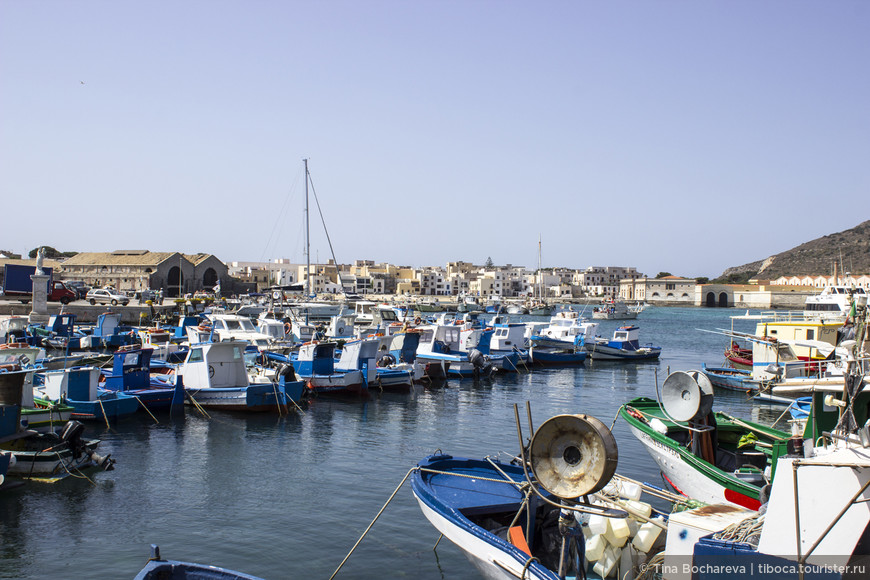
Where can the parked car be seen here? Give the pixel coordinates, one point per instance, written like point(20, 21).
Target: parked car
point(80, 287)
point(106, 296)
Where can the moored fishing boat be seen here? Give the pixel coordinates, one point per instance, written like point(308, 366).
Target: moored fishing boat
point(315, 364)
point(730, 378)
point(159, 569)
point(556, 356)
point(215, 375)
point(131, 375)
point(712, 457)
point(624, 346)
point(559, 510)
point(79, 388)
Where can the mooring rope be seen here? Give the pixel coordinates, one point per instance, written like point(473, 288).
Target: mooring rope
point(407, 475)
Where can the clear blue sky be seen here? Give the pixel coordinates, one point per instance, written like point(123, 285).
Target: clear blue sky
point(670, 136)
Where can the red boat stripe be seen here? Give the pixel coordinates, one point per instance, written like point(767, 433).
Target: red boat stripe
point(742, 500)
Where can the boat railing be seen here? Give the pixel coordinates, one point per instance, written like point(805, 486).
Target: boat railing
point(795, 316)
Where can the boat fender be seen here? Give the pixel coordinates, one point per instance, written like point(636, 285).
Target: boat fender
point(658, 426)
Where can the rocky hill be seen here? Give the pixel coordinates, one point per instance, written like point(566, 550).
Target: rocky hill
point(815, 257)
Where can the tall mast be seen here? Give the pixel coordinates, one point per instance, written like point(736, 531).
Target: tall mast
point(307, 240)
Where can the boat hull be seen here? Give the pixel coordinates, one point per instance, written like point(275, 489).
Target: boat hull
point(689, 474)
point(253, 398)
point(350, 382)
point(492, 556)
point(45, 455)
point(731, 379)
point(604, 352)
point(556, 357)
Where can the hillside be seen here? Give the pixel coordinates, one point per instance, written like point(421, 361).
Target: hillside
point(815, 257)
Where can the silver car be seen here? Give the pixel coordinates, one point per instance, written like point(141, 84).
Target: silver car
point(106, 296)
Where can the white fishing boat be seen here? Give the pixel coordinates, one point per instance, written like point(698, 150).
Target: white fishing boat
point(566, 329)
point(616, 310)
point(215, 375)
point(623, 346)
point(232, 327)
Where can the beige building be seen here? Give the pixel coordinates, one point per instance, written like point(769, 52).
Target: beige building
point(670, 289)
point(136, 270)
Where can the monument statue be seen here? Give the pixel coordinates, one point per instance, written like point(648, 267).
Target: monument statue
point(40, 256)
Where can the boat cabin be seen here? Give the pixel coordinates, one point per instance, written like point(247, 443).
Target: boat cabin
point(215, 365)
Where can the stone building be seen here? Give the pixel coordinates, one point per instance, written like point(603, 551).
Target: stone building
point(137, 270)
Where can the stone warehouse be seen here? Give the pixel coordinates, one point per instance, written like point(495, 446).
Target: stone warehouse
point(138, 270)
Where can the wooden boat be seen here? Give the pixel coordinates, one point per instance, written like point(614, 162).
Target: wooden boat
point(315, 364)
point(739, 357)
point(730, 378)
point(131, 375)
point(52, 455)
point(80, 388)
point(729, 463)
point(159, 569)
point(37, 414)
point(555, 356)
point(440, 348)
point(624, 346)
point(814, 522)
point(616, 310)
point(215, 375)
point(518, 520)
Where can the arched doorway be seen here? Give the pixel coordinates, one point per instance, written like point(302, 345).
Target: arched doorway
point(174, 282)
point(723, 300)
point(710, 299)
point(209, 278)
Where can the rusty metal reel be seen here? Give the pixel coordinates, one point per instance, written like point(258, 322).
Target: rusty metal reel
point(573, 455)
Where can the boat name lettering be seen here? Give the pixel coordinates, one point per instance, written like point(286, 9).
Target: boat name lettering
point(655, 443)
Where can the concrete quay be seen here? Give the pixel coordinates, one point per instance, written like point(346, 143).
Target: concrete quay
point(130, 314)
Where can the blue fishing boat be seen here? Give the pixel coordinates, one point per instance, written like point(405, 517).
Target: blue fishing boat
point(109, 333)
point(441, 352)
point(315, 363)
point(131, 375)
point(159, 569)
point(80, 389)
point(531, 518)
point(624, 346)
point(554, 356)
point(730, 378)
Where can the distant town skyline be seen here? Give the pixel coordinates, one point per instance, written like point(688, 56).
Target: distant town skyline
point(671, 136)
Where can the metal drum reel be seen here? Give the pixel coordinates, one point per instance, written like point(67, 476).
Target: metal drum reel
point(687, 395)
point(573, 455)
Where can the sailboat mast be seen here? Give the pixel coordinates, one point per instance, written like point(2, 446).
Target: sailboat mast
point(307, 239)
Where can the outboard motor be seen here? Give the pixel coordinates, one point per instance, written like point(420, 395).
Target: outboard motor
point(287, 372)
point(386, 360)
point(71, 434)
point(480, 362)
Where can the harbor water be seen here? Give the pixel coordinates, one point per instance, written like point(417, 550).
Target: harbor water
point(288, 496)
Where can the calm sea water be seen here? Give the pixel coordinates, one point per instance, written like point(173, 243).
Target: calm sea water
point(287, 497)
